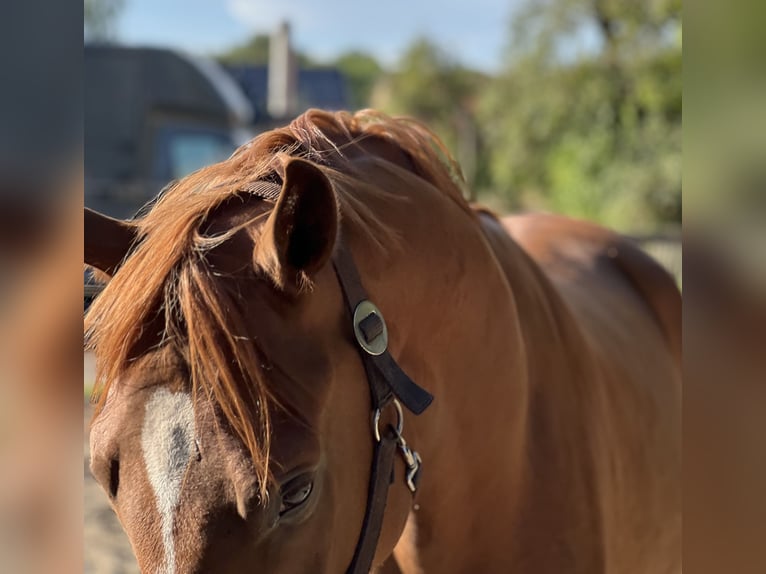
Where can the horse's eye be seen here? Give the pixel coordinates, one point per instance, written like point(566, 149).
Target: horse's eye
point(295, 493)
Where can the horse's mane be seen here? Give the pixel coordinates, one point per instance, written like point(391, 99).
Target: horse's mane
point(167, 294)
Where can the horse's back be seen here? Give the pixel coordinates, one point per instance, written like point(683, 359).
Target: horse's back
point(626, 306)
point(584, 260)
point(627, 309)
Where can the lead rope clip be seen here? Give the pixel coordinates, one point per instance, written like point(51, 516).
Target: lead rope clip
point(412, 461)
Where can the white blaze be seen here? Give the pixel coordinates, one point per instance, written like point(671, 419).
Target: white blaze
point(167, 440)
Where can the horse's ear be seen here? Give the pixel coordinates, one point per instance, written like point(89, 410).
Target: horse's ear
point(108, 241)
point(299, 236)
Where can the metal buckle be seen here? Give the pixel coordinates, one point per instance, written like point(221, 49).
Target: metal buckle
point(373, 340)
point(399, 421)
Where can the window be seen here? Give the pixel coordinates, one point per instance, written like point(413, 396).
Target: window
point(183, 150)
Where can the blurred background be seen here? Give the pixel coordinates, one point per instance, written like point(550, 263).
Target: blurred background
point(571, 106)
point(566, 105)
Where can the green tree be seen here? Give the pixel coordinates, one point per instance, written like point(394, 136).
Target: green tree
point(100, 18)
point(255, 52)
point(431, 86)
point(362, 71)
point(594, 132)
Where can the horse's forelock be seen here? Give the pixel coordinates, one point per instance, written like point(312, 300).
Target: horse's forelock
point(167, 284)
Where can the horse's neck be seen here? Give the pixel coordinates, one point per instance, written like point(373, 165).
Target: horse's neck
point(563, 382)
point(504, 361)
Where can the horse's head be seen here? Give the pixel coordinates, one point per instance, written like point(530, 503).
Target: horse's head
point(234, 428)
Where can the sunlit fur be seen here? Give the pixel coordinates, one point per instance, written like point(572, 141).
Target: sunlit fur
point(167, 286)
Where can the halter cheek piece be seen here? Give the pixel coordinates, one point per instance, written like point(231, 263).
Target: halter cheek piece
point(389, 385)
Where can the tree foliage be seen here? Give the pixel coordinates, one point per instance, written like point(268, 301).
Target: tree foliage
point(594, 134)
point(584, 118)
point(432, 86)
point(362, 71)
point(100, 18)
point(255, 52)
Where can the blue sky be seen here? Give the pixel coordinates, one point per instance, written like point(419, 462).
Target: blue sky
point(474, 31)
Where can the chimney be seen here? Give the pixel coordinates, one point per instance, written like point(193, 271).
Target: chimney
point(282, 74)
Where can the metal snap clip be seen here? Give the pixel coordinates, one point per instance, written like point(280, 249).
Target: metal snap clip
point(413, 463)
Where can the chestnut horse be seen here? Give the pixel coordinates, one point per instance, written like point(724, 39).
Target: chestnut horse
point(233, 432)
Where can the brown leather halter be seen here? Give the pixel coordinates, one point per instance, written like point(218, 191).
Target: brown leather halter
point(389, 385)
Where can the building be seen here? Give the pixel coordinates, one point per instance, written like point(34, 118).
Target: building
point(282, 90)
point(153, 115)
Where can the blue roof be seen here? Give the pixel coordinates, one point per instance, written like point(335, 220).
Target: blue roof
point(324, 88)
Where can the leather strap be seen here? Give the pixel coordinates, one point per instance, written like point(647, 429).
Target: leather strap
point(394, 379)
point(381, 477)
point(386, 380)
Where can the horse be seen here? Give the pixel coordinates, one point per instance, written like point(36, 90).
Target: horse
point(317, 356)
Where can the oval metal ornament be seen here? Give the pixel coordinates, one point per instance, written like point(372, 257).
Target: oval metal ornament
point(377, 344)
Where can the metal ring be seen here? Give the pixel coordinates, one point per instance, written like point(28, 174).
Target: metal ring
point(379, 344)
point(399, 420)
